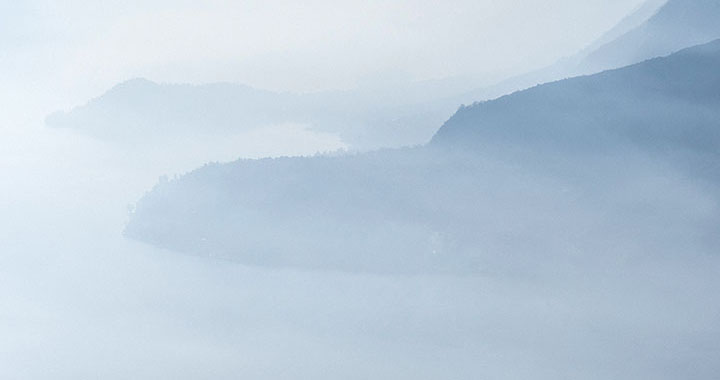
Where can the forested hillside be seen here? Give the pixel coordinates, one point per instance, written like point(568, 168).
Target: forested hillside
point(616, 164)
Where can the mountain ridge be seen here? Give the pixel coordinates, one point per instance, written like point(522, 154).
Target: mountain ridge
point(595, 102)
point(676, 25)
point(478, 199)
point(657, 28)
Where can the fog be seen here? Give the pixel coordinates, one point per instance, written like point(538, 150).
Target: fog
point(79, 300)
point(79, 48)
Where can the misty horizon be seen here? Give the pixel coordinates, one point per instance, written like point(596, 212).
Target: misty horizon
point(475, 189)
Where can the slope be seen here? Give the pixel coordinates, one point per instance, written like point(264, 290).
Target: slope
point(671, 102)
point(676, 25)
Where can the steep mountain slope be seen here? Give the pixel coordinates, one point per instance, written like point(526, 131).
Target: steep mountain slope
point(619, 165)
point(676, 25)
point(664, 103)
point(139, 111)
point(635, 19)
point(657, 28)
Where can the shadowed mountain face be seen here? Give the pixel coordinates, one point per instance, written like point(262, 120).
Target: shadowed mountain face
point(618, 166)
point(665, 103)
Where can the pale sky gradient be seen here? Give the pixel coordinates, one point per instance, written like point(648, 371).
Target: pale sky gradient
point(69, 51)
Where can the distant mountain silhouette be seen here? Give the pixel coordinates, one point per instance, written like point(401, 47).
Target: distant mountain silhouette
point(657, 28)
point(676, 25)
point(638, 17)
point(139, 111)
point(613, 166)
point(671, 102)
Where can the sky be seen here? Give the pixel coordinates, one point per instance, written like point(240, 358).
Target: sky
point(66, 52)
point(78, 301)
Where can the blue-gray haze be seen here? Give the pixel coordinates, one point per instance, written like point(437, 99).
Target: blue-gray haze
point(164, 228)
